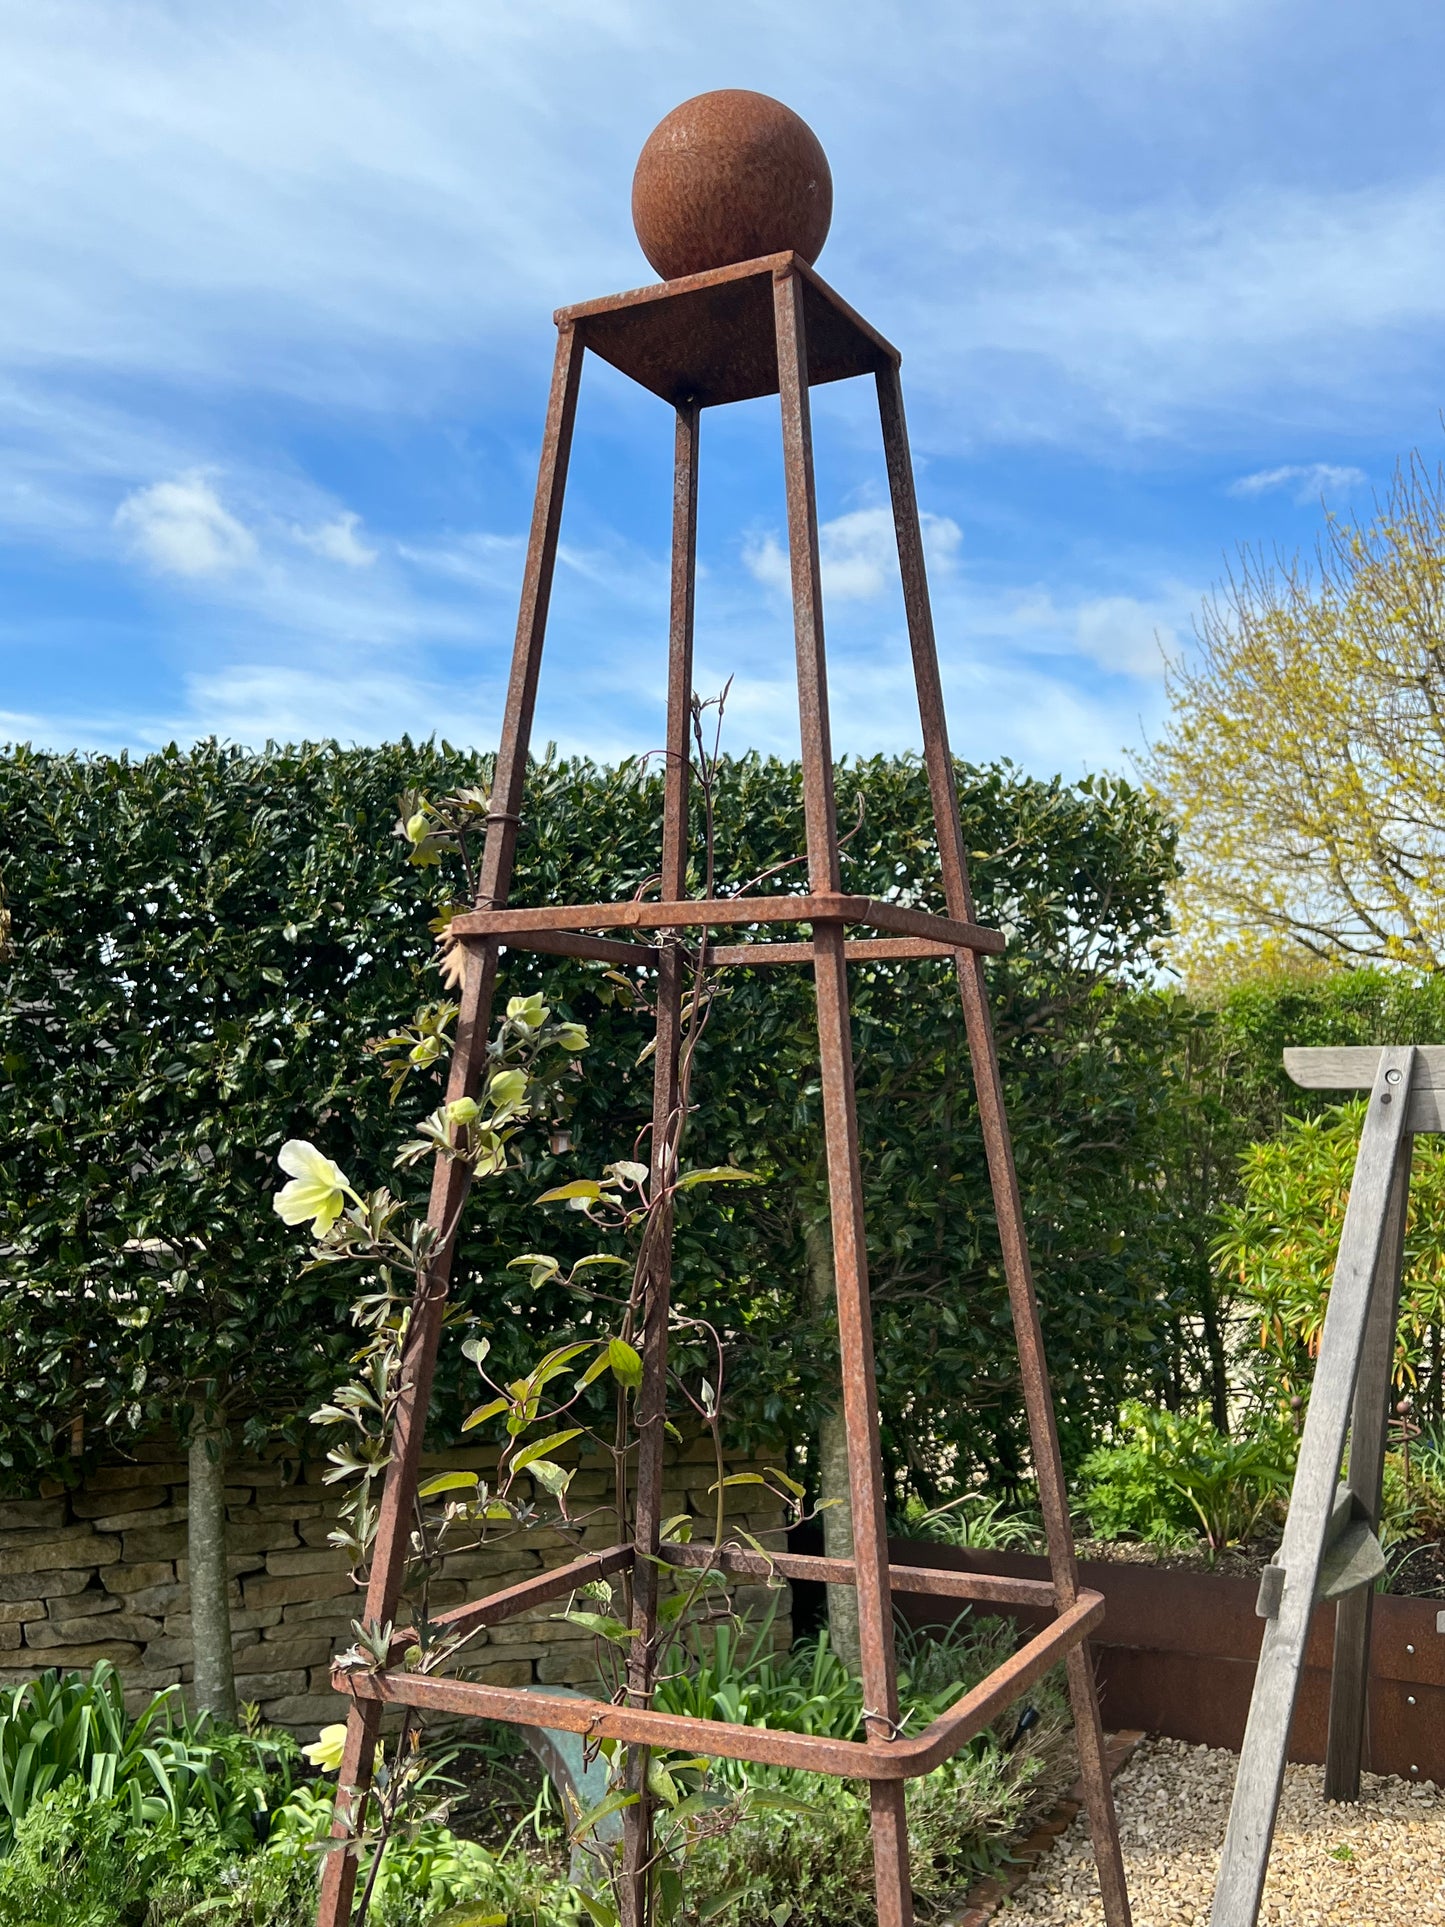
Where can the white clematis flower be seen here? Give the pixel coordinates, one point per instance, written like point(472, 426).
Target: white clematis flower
point(318, 1189)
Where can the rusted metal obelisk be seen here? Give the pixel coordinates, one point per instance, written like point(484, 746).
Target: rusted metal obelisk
point(732, 201)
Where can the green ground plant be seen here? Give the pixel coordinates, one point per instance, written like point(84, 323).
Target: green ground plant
point(1169, 1477)
point(800, 1853)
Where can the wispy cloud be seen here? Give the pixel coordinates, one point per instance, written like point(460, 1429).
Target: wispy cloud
point(1305, 482)
point(183, 528)
point(858, 553)
point(338, 541)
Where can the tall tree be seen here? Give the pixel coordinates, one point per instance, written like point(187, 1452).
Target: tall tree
point(1305, 757)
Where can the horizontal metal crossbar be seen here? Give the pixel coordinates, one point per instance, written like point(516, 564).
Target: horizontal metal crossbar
point(561, 1580)
point(751, 956)
point(509, 926)
point(901, 1759)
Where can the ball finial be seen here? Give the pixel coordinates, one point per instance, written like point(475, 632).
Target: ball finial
point(727, 177)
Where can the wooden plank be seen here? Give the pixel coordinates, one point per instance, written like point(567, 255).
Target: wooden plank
point(1369, 1431)
point(1245, 1859)
point(1353, 1069)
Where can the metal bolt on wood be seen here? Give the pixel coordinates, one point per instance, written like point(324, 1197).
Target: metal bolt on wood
point(769, 326)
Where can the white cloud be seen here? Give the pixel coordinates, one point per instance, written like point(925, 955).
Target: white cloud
point(183, 528)
point(1306, 482)
point(858, 553)
point(338, 541)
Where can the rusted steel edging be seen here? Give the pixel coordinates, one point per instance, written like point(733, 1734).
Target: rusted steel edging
point(1178, 1650)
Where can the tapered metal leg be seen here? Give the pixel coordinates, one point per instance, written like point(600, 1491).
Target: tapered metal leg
point(450, 1179)
point(1048, 1466)
point(845, 1181)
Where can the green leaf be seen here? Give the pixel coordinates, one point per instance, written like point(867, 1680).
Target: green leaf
point(551, 1477)
point(447, 1482)
point(484, 1412)
point(604, 1809)
point(543, 1447)
point(601, 1625)
point(717, 1174)
point(771, 1802)
point(578, 1188)
point(625, 1362)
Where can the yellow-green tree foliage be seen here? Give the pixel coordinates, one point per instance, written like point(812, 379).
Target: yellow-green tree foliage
point(1304, 760)
point(1278, 1253)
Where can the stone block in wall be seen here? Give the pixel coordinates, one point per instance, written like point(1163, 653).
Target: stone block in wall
point(172, 1598)
point(83, 1605)
point(141, 1518)
point(304, 1505)
point(133, 1498)
point(301, 1588)
point(46, 1583)
point(139, 1578)
point(70, 1547)
point(271, 1686)
point(12, 1611)
point(148, 1543)
point(82, 1658)
point(260, 1535)
point(534, 1628)
point(507, 1672)
point(31, 1513)
point(308, 1559)
point(510, 1560)
point(562, 1668)
point(10, 1636)
point(340, 1607)
point(119, 1478)
point(178, 1624)
point(307, 1712)
point(270, 1655)
point(316, 1529)
point(73, 1632)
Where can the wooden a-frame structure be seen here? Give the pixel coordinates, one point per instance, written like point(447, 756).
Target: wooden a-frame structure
point(1330, 1548)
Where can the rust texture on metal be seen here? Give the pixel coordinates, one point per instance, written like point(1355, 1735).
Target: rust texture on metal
point(728, 176)
point(894, 1760)
point(710, 339)
point(450, 1180)
point(769, 326)
point(818, 906)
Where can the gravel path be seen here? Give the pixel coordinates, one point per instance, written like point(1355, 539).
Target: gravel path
point(1380, 1863)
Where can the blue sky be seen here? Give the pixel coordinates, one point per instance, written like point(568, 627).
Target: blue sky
point(276, 338)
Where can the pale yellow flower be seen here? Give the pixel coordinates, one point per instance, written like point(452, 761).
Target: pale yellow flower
point(326, 1749)
point(318, 1189)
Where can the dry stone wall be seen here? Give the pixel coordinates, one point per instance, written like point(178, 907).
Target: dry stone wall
point(100, 1573)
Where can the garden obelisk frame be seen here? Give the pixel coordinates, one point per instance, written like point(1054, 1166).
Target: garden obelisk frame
point(732, 200)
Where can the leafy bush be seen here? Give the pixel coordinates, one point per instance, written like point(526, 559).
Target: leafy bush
point(1281, 1242)
point(426, 1873)
point(1175, 1474)
point(158, 1770)
point(800, 1854)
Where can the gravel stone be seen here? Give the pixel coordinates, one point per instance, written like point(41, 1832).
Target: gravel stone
point(1377, 1863)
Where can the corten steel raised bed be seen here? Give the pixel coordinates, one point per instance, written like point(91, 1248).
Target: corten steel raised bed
point(1176, 1654)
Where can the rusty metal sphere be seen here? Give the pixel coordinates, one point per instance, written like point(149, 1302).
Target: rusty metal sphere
point(727, 177)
